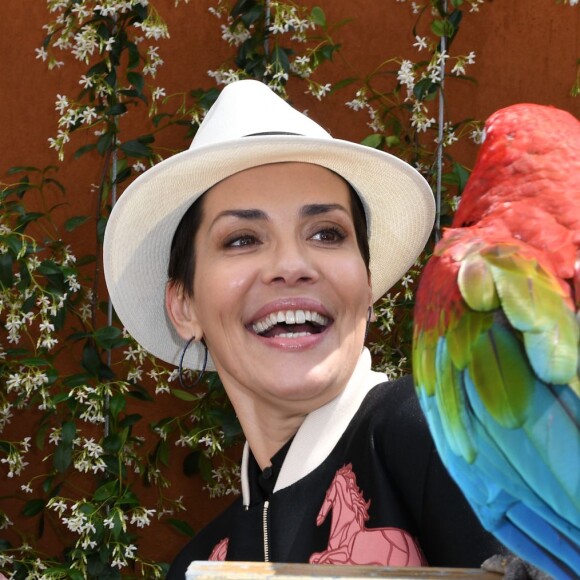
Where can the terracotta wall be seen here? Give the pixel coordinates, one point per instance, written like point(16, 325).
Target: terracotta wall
point(526, 51)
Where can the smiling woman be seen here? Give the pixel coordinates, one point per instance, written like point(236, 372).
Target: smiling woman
point(278, 239)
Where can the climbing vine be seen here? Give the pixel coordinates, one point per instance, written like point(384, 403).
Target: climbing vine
point(79, 460)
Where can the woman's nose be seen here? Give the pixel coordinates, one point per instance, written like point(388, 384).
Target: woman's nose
point(291, 264)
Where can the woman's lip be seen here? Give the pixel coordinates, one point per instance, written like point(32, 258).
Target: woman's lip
point(298, 303)
point(292, 344)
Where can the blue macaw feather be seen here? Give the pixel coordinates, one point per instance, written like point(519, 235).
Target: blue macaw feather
point(506, 504)
point(501, 469)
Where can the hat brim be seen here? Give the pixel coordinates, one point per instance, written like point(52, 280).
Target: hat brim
point(398, 202)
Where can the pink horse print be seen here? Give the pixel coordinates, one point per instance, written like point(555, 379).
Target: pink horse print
point(220, 550)
point(350, 541)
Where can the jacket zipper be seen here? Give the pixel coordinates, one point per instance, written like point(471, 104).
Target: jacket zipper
point(265, 529)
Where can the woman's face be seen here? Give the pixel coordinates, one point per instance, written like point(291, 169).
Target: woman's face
point(281, 292)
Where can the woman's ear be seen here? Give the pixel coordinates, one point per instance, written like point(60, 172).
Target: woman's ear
point(181, 312)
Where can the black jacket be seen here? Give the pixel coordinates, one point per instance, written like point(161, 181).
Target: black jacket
point(390, 497)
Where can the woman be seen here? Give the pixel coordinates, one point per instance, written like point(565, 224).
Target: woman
point(279, 239)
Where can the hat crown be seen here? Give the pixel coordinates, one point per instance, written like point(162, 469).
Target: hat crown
point(249, 107)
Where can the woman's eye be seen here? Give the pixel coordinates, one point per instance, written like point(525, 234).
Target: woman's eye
point(329, 235)
point(241, 241)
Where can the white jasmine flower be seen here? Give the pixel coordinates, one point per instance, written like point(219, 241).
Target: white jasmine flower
point(41, 53)
point(61, 103)
point(26, 488)
point(158, 93)
point(421, 42)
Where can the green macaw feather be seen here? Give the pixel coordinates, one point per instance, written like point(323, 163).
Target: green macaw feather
point(535, 304)
point(463, 333)
point(477, 285)
point(501, 375)
point(533, 301)
point(424, 350)
point(451, 402)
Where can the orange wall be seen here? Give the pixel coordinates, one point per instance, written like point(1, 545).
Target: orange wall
point(526, 51)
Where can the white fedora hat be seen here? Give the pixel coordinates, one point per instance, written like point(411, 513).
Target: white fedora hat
point(249, 125)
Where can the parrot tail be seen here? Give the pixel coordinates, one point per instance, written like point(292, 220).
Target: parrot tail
point(529, 535)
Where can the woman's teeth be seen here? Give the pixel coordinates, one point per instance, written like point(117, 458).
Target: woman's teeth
point(290, 317)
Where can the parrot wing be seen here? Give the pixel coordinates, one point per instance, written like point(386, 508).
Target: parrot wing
point(495, 363)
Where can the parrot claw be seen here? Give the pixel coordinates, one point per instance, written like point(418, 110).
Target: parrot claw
point(514, 568)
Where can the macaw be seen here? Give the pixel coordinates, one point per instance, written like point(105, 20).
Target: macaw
point(496, 337)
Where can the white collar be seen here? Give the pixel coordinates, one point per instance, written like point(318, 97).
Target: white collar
point(321, 430)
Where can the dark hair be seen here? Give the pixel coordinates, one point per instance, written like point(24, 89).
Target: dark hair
point(181, 268)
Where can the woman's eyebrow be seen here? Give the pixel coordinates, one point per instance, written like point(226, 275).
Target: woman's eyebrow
point(244, 214)
point(314, 209)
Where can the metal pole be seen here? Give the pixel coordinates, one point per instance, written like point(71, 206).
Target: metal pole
point(443, 47)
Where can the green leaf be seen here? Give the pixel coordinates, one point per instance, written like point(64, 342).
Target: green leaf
point(318, 16)
point(112, 443)
point(136, 80)
point(205, 467)
point(163, 452)
point(182, 527)
point(84, 149)
point(280, 57)
point(56, 183)
point(343, 83)
point(130, 420)
point(122, 175)
point(68, 432)
point(135, 148)
point(373, 141)
point(60, 398)
point(133, 55)
point(424, 89)
point(438, 27)
point(91, 360)
point(117, 405)
point(74, 222)
point(33, 507)
point(116, 109)
point(77, 380)
point(104, 142)
point(47, 484)
point(328, 50)
point(5, 545)
point(23, 168)
point(107, 336)
point(34, 362)
point(184, 395)
point(241, 6)
point(106, 491)
point(6, 270)
point(62, 457)
point(443, 28)
point(101, 226)
point(111, 78)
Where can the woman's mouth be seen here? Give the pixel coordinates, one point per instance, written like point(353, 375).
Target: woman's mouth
point(291, 324)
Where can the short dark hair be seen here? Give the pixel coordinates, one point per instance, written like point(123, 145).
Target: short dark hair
point(181, 270)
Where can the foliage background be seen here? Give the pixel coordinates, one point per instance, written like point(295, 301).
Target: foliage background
point(524, 51)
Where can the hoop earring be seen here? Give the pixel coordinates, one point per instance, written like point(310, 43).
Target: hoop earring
point(180, 368)
point(368, 324)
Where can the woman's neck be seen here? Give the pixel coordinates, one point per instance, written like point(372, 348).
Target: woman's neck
point(266, 427)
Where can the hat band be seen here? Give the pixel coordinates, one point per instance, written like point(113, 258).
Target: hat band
point(273, 133)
